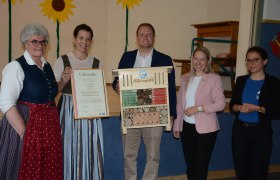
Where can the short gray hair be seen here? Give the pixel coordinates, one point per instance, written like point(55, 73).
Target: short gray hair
point(33, 29)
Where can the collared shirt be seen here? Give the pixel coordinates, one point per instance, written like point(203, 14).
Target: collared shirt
point(12, 82)
point(143, 61)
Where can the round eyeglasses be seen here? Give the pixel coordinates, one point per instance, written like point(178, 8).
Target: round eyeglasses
point(253, 60)
point(36, 42)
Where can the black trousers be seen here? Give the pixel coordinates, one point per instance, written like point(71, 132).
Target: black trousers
point(251, 149)
point(197, 151)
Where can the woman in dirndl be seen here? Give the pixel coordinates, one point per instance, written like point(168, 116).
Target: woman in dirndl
point(30, 134)
point(83, 138)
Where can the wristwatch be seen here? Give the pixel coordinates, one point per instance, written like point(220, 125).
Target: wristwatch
point(199, 108)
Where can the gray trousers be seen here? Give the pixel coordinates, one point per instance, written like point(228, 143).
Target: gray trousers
point(131, 142)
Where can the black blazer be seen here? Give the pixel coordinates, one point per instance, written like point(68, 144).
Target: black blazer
point(269, 98)
point(158, 59)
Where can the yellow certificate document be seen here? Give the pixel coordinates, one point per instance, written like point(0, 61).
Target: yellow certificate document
point(89, 94)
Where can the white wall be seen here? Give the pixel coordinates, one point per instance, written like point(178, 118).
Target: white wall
point(244, 35)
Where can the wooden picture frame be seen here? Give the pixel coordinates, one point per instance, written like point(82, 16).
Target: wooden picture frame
point(89, 94)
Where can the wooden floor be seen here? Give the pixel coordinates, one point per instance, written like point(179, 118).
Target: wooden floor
point(219, 174)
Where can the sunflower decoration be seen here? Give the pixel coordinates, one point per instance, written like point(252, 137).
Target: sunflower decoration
point(128, 4)
point(10, 2)
point(58, 10)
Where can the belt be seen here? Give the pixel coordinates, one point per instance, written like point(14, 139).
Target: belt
point(246, 124)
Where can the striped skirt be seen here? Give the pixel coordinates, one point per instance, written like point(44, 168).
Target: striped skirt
point(82, 144)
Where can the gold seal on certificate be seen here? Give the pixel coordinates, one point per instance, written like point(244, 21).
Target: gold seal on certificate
point(89, 94)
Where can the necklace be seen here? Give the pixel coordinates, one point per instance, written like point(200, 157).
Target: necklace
point(81, 56)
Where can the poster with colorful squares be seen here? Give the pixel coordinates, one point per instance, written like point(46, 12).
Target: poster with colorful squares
point(144, 97)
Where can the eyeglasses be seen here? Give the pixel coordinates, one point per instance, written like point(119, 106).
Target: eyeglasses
point(253, 60)
point(36, 42)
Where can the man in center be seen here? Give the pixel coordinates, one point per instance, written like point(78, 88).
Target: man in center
point(145, 56)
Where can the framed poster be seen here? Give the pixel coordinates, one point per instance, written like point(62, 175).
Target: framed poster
point(89, 94)
point(144, 97)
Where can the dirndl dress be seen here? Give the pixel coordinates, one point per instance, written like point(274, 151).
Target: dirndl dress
point(39, 154)
point(82, 139)
point(82, 144)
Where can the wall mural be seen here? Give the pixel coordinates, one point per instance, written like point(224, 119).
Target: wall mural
point(127, 4)
point(58, 10)
point(270, 41)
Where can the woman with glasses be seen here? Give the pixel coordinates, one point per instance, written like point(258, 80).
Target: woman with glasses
point(30, 134)
point(82, 138)
point(199, 98)
point(255, 101)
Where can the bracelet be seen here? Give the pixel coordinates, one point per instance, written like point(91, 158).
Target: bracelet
point(260, 109)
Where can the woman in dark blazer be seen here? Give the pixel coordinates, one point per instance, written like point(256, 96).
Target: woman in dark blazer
point(255, 101)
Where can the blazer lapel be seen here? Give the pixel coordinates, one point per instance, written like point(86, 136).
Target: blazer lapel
point(187, 80)
point(154, 59)
point(200, 86)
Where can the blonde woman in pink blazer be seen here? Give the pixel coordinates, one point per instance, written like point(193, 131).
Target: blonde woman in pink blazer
point(199, 98)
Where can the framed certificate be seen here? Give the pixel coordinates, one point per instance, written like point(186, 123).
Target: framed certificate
point(89, 94)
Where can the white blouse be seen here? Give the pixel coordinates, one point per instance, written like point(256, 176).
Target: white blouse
point(12, 82)
point(190, 97)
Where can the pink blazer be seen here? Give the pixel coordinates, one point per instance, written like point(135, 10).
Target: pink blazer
point(210, 94)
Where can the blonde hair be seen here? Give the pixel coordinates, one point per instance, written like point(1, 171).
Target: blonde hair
point(208, 68)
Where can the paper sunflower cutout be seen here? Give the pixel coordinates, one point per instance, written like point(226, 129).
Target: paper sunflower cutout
point(128, 3)
point(13, 1)
point(10, 2)
point(57, 9)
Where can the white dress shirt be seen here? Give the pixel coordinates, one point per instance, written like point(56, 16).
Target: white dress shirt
point(143, 61)
point(12, 82)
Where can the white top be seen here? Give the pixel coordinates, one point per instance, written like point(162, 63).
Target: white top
point(12, 82)
point(190, 97)
point(75, 64)
point(143, 61)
